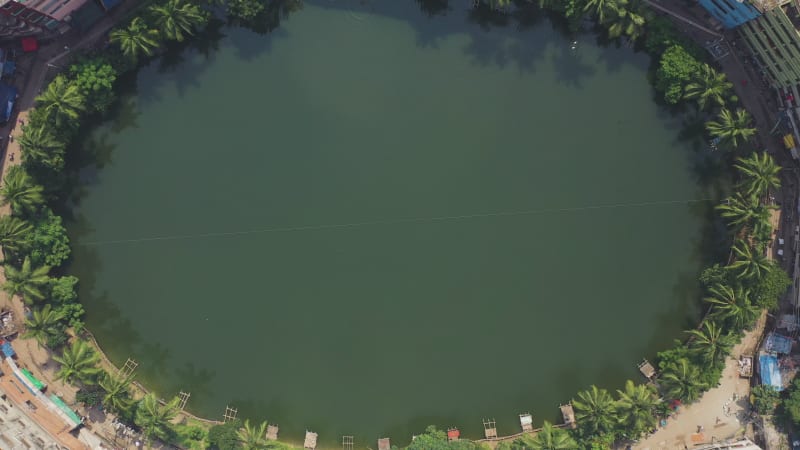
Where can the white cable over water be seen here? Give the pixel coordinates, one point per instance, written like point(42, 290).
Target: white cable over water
point(392, 222)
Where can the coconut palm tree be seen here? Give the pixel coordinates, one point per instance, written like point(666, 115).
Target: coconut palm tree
point(604, 9)
point(39, 145)
point(760, 174)
point(62, 102)
point(751, 263)
point(27, 281)
point(117, 396)
point(153, 418)
point(710, 343)
point(78, 363)
point(42, 324)
point(550, 438)
point(595, 410)
point(732, 129)
point(746, 211)
point(253, 437)
point(636, 408)
point(627, 22)
point(20, 191)
point(14, 233)
point(732, 305)
point(681, 380)
point(708, 86)
point(176, 18)
point(136, 39)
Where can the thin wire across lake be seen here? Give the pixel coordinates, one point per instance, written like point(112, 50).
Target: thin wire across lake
point(392, 222)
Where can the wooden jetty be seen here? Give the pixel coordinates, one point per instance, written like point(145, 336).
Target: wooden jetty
point(453, 434)
point(311, 440)
point(489, 429)
point(347, 442)
point(526, 422)
point(272, 432)
point(384, 444)
point(647, 369)
point(569, 415)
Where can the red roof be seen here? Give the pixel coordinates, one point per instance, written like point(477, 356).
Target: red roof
point(453, 434)
point(29, 44)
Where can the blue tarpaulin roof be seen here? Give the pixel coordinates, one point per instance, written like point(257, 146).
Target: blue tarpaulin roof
point(776, 343)
point(7, 350)
point(770, 374)
point(110, 4)
point(9, 67)
point(8, 95)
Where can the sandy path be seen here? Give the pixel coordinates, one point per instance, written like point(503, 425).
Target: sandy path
point(710, 411)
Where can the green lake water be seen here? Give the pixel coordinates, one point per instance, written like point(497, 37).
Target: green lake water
point(372, 220)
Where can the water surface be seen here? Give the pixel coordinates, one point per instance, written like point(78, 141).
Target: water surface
point(421, 221)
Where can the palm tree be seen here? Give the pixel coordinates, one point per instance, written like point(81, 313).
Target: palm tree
point(27, 281)
point(681, 380)
point(78, 362)
point(176, 18)
point(13, 233)
point(730, 128)
point(253, 437)
point(39, 145)
point(136, 40)
point(20, 192)
point(117, 395)
point(761, 174)
point(746, 212)
point(708, 86)
point(61, 101)
point(636, 408)
point(751, 263)
point(550, 438)
point(603, 9)
point(595, 410)
point(627, 22)
point(732, 305)
point(42, 324)
point(153, 418)
point(710, 343)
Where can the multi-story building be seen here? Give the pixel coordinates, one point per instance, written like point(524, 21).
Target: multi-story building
point(774, 41)
point(730, 13)
point(29, 17)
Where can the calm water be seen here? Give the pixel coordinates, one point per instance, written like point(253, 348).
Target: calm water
point(425, 223)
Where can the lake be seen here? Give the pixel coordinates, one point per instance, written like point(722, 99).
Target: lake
point(371, 220)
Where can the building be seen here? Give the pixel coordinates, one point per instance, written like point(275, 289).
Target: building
point(774, 41)
point(730, 13)
point(36, 17)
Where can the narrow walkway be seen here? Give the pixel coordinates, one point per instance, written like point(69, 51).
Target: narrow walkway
point(717, 412)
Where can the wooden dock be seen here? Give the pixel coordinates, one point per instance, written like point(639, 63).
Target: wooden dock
point(311, 440)
point(647, 369)
point(272, 432)
point(569, 415)
point(526, 422)
point(489, 429)
point(384, 444)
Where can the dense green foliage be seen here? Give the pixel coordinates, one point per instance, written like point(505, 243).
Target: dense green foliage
point(224, 436)
point(764, 398)
point(675, 70)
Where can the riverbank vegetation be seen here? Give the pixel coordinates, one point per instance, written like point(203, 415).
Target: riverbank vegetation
point(36, 246)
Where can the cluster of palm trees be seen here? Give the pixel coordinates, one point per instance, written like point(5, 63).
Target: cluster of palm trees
point(711, 90)
point(620, 17)
point(171, 20)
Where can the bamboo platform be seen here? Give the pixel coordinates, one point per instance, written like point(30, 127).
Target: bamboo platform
point(569, 415)
point(272, 432)
point(647, 369)
point(384, 444)
point(310, 441)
